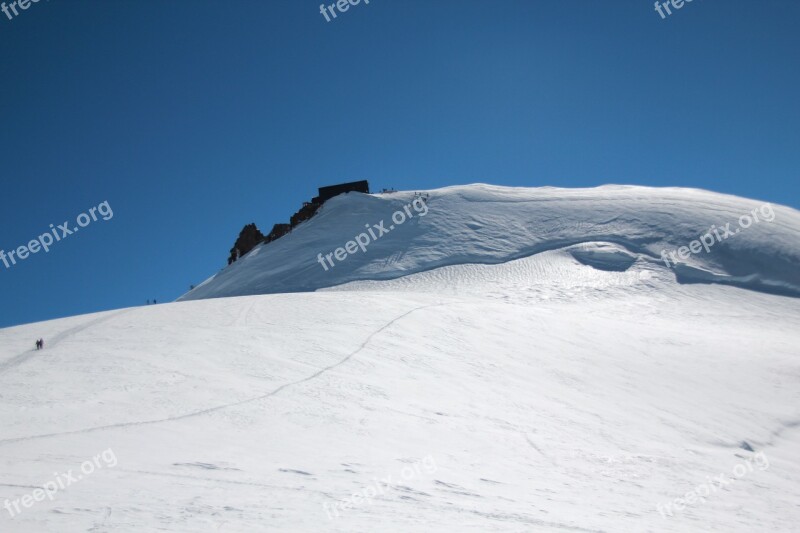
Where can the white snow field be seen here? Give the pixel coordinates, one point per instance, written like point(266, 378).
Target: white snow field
point(514, 360)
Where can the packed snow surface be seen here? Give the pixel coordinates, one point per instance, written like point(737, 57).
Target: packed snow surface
point(546, 375)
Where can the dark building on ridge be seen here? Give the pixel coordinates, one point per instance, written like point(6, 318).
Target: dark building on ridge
point(326, 193)
point(309, 209)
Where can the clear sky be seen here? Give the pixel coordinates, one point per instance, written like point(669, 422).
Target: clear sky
point(194, 117)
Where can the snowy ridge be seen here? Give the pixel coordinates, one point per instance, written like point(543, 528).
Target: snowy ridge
point(577, 387)
point(489, 224)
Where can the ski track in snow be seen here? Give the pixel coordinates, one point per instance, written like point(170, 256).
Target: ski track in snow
point(210, 409)
point(17, 360)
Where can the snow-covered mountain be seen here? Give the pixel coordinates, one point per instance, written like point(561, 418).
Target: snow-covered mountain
point(502, 360)
point(490, 225)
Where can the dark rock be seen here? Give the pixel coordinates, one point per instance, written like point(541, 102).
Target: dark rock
point(249, 238)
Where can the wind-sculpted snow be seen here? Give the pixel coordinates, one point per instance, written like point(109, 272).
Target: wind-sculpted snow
point(481, 224)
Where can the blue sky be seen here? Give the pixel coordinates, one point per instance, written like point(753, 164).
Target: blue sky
point(192, 118)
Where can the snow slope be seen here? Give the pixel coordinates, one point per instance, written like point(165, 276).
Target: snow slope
point(490, 224)
point(574, 389)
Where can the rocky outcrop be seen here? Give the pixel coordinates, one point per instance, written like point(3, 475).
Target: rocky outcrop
point(249, 238)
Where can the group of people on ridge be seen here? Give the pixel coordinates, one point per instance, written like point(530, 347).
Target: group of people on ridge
point(40, 344)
